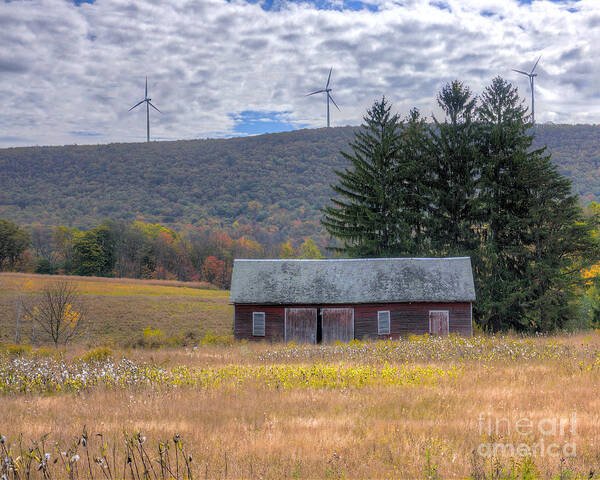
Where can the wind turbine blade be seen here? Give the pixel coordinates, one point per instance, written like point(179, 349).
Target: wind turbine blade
point(329, 77)
point(536, 64)
point(139, 103)
point(146, 87)
point(520, 71)
point(150, 103)
point(331, 98)
point(318, 91)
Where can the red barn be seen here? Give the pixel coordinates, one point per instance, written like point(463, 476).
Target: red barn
point(314, 301)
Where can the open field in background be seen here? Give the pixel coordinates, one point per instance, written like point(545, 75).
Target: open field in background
point(359, 410)
point(119, 309)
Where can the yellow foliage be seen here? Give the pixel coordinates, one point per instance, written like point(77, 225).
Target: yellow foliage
point(71, 316)
point(591, 272)
point(286, 250)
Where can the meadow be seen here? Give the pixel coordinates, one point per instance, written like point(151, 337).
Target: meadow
point(120, 309)
point(416, 408)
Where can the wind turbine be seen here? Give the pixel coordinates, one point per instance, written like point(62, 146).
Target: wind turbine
point(148, 105)
point(531, 76)
point(327, 91)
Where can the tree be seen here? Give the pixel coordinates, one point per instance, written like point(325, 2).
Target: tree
point(162, 248)
point(45, 249)
point(454, 171)
point(13, 243)
point(130, 248)
point(93, 251)
point(415, 162)
point(286, 250)
point(367, 215)
point(309, 250)
point(63, 237)
point(214, 271)
point(502, 257)
point(58, 312)
point(534, 239)
point(561, 243)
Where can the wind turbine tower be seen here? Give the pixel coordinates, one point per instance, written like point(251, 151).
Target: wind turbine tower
point(531, 76)
point(148, 105)
point(327, 92)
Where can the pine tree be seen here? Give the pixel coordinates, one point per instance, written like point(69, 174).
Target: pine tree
point(561, 243)
point(367, 215)
point(453, 172)
point(501, 261)
point(415, 162)
point(534, 240)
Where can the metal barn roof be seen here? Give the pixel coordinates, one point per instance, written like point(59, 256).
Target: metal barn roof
point(373, 280)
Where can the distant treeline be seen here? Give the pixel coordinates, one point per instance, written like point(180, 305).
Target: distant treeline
point(136, 250)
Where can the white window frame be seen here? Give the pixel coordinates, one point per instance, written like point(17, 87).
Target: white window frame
point(389, 322)
point(264, 321)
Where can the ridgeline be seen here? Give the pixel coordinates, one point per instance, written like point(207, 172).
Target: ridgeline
point(275, 183)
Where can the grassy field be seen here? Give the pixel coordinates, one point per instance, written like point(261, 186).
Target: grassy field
point(119, 309)
point(412, 409)
point(418, 408)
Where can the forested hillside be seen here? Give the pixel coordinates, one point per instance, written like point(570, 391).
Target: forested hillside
point(576, 151)
point(269, 185)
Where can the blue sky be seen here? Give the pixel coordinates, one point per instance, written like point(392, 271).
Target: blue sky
point(219, 68)
point(274, 5)
point(271, 5)
point(251, 122)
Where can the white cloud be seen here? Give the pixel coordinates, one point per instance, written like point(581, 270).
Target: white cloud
point(66, 69)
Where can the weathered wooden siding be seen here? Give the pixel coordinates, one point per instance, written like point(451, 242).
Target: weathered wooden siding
point(439, 321)
point(274, 319)
point(405, 318)
point(301, 325)
point(408, 318)
point(338, 324)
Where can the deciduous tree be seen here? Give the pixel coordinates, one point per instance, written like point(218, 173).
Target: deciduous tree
point(13, 243)
point(58, 312)
point(309, 250)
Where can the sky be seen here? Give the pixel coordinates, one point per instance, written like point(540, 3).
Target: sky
point(70, 70)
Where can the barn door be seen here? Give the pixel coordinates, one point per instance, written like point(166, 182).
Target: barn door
point(301, 325)
point(439, 322)
point(338, 324)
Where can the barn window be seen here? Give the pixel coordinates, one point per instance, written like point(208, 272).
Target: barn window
point(383, 323)
point(258, 324)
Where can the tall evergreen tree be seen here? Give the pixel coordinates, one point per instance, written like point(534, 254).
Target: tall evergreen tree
point(474, 185)
point(412, 170)
point(501, 262)
point(561, 243)
point(454, 172)
point(367, 216)
point(534, 240)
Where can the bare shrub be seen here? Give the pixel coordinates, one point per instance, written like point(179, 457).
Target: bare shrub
point(58, 312)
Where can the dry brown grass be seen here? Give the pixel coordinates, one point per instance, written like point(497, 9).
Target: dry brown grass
point(256, 431)
point(373, 432)
point(119, 309)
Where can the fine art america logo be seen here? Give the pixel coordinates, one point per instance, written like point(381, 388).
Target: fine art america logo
point(553, 436)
